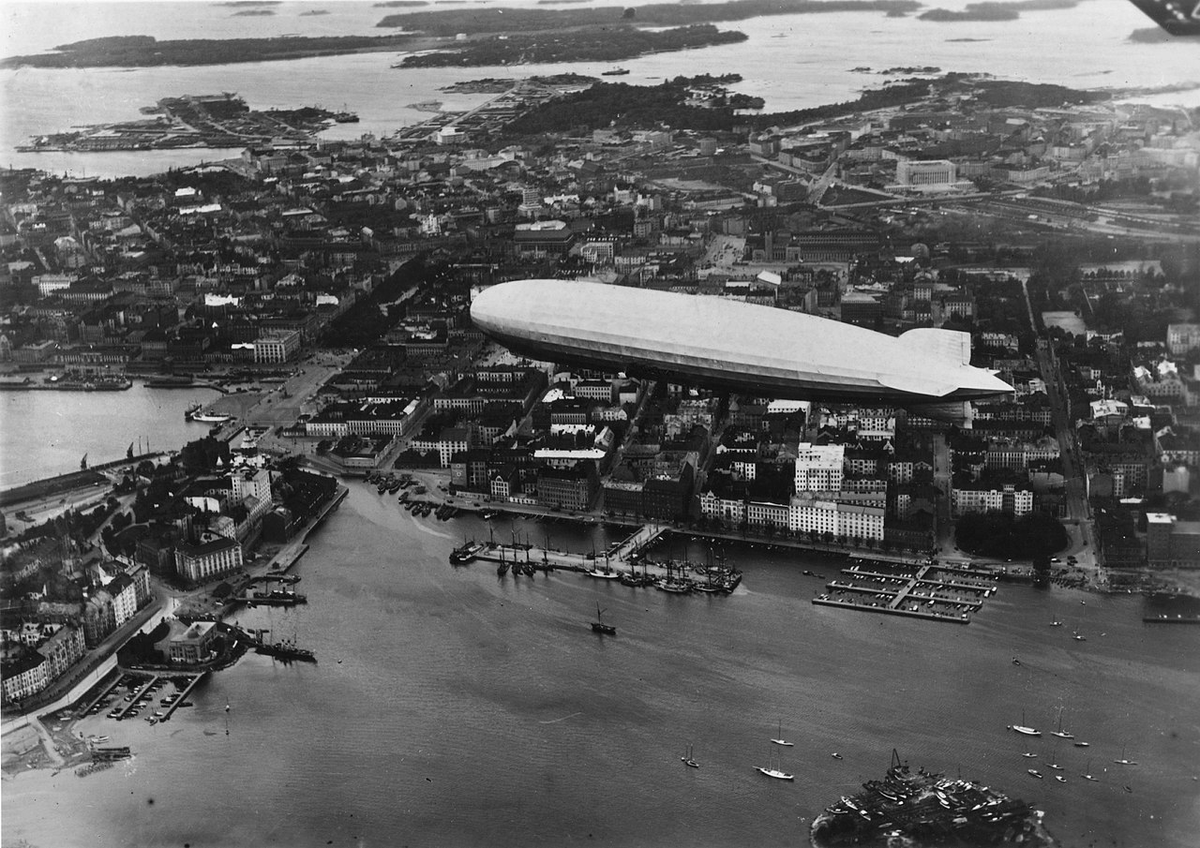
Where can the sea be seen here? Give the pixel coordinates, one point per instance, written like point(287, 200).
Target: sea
point(453, 707)
point(792, 61)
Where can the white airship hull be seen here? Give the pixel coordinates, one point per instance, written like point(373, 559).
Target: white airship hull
point(728, 344)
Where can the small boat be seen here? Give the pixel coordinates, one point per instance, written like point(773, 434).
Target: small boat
point(603, 575)
point(598, 626)
point(1035, 773)
point(615, 72)
point(1054, 766)
point(1079, 637)
point(1123, 761)
point(1016, 661)
point(780, 740)
point(836, 755)
point(1060, 733)
point(1028, 755)
point(1060, 778)
point(502, 569)
point(688, 760)
point(1056, 623)
point(1087, 775)
point(1082, 744)
point(1023, 728)
point(1128, 788)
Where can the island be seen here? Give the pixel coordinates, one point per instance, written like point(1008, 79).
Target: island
point(525, 20)
point(927, 808)
point(598, 44)
point(210, 120)
point(144, 51)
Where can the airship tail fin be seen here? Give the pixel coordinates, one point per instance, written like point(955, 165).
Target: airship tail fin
point(946, 345)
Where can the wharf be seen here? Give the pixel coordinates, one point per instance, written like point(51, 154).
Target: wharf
point(105, 691)
point(275, 598)
point(930, 591)
point(133, 702)
point(825, 600)
point(182, 696)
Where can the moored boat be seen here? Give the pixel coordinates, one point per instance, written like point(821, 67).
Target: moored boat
point(775, 773)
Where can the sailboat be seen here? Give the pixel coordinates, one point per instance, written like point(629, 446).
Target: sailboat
point(772, 771)
point(688, 760)
point(1123, 761)
point(780, 740)
point(1023, 728)
point(1054, 760)
point(598, 626)
point(1087, 775)
point(1060, 733)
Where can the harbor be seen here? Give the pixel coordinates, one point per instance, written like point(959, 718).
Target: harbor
point(404, 640)
point(948, 593)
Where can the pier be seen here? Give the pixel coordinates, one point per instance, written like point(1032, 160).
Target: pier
point(625, 562)
point(93, 704)
point(182, 696)
point(930, 591)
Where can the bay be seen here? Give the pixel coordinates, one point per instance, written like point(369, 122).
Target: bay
point(44, 433)
point(792, 61)
point(453, 707)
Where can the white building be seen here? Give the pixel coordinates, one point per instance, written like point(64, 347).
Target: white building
point(213, 556)
point(939, 172)
point(809, 513)
point(819, 467)
point(277, 347)
point(1008, 499)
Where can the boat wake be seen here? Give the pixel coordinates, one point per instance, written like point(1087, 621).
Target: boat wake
point(564, 718)
point(430, 531)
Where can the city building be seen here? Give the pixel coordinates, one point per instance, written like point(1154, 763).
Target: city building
point(210, 557)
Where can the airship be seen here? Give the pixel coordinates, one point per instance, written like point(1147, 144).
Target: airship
point(733, 346)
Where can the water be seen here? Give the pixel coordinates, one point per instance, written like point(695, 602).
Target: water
point(47, 432)
point(810, 65)
point(453, 707)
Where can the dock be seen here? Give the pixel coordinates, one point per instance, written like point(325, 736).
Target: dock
point(626, 561)
point(182, 696)
point(932, 592)
point(104, 692)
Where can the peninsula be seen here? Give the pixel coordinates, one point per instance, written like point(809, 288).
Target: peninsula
point(211, 120)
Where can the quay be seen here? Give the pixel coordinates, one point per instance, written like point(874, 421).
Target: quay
point(625, 561)
point(104, 692)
